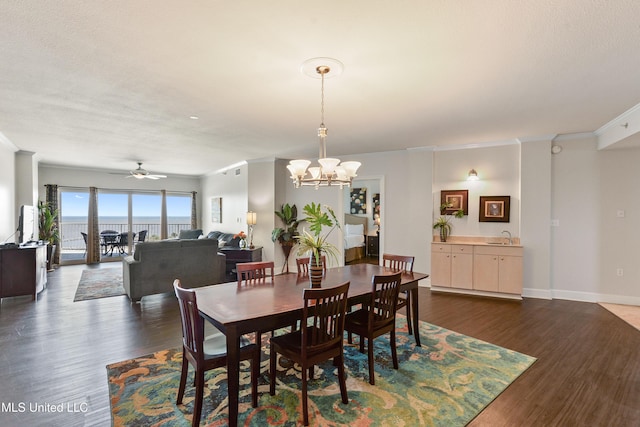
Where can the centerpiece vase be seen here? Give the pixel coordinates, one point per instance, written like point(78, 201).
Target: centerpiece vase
point(315, 271)
point(444, 233)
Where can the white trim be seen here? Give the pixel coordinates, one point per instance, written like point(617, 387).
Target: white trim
point(574, 136)
point(5, 141)
point(537, 293)
point(477, 293)
point(514, 141)
point(617, 121)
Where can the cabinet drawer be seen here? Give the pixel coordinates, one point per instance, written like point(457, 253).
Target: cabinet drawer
point(461, 249)
point(440, 248)
point(497, 250)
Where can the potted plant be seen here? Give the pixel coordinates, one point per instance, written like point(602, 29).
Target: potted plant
point(48, 229)
point(444, 222)
point(314, 242)
point(286, 235)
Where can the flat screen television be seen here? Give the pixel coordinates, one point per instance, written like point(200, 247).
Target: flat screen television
point(26, 225)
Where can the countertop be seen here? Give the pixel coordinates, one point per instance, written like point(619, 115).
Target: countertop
point(478, 241)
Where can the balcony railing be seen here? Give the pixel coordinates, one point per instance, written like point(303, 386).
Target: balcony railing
point(71, 237)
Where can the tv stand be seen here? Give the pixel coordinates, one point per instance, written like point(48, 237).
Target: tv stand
point(23, 270)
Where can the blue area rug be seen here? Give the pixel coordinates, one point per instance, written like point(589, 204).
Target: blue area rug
point(446, 382)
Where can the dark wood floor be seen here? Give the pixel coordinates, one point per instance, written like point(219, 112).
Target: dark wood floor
point(55, 351)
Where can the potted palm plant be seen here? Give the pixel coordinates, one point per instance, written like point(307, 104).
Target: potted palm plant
point(286, 235)
point(444, 222)
point(48, 230)
point(314, 242)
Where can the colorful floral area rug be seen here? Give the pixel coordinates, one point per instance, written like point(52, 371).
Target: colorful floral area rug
point(446, 382)
point(99, 283)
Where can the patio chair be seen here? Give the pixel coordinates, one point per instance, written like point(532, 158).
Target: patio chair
point(84, 237)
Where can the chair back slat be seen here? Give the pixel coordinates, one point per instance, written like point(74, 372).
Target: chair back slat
point(384, 299)
point(325, 310)
point(303, 265)
point(398, 262)
point(192, 322)
point(249, 273)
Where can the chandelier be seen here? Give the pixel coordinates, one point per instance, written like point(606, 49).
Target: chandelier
point(331, 171)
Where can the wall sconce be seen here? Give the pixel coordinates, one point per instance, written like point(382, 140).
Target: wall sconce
point(251, 221)
point(473, 175)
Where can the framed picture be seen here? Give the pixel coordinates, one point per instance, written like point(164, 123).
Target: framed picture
point(358, 201)
point(455, 200)
point(494, 208)
point(375, 199)
point(216, 209)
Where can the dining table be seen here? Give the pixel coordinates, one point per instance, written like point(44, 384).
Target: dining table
point(236, 309)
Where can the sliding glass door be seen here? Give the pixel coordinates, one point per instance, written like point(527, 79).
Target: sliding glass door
point(74, 208)
point(124, 218)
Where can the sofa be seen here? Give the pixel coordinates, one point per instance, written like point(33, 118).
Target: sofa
point(155, 265)
point(225, 239)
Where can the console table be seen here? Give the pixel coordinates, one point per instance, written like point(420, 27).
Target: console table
point(236, 255)
point(23, 270)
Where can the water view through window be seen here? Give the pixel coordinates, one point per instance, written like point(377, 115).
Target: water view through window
point(113, 215)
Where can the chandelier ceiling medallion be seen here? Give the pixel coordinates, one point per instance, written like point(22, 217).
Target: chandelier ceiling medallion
point(331, 171)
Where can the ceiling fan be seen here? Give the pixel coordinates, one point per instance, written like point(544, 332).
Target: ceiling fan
point(141, 173)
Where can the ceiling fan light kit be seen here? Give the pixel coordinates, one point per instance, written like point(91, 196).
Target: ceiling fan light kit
point(331, 171)
point(141, 173)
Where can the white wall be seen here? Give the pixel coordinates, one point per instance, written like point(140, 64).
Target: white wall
point(232, 186)
point(536, 191)
point(591, 242)
point(581, 187)
point(405, 188)
point(8, 209)
point(261, 200)
point(85, 178)
point(499, 172)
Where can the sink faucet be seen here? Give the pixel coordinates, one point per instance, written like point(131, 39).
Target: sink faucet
point(509, 234)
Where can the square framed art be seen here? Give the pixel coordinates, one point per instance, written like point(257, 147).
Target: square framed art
point(454, 200)
point(494, 208)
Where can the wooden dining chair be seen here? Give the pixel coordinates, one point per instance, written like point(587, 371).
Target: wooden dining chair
point(303, 265)
point(257, 273)
point(206, 353)
point(250, 273)
point(377, 317)
point(404, 264)
point(320, 340)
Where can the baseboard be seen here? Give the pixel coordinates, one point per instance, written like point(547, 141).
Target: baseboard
point(537, 293)
point(476, 293)
point(548, 294)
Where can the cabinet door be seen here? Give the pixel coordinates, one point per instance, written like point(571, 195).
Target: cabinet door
point(441, 269)
point(486, 273)
point(462, 270)
point(510, 274)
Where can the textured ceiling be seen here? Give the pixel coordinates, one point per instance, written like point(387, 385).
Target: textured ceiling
point(107, 83)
